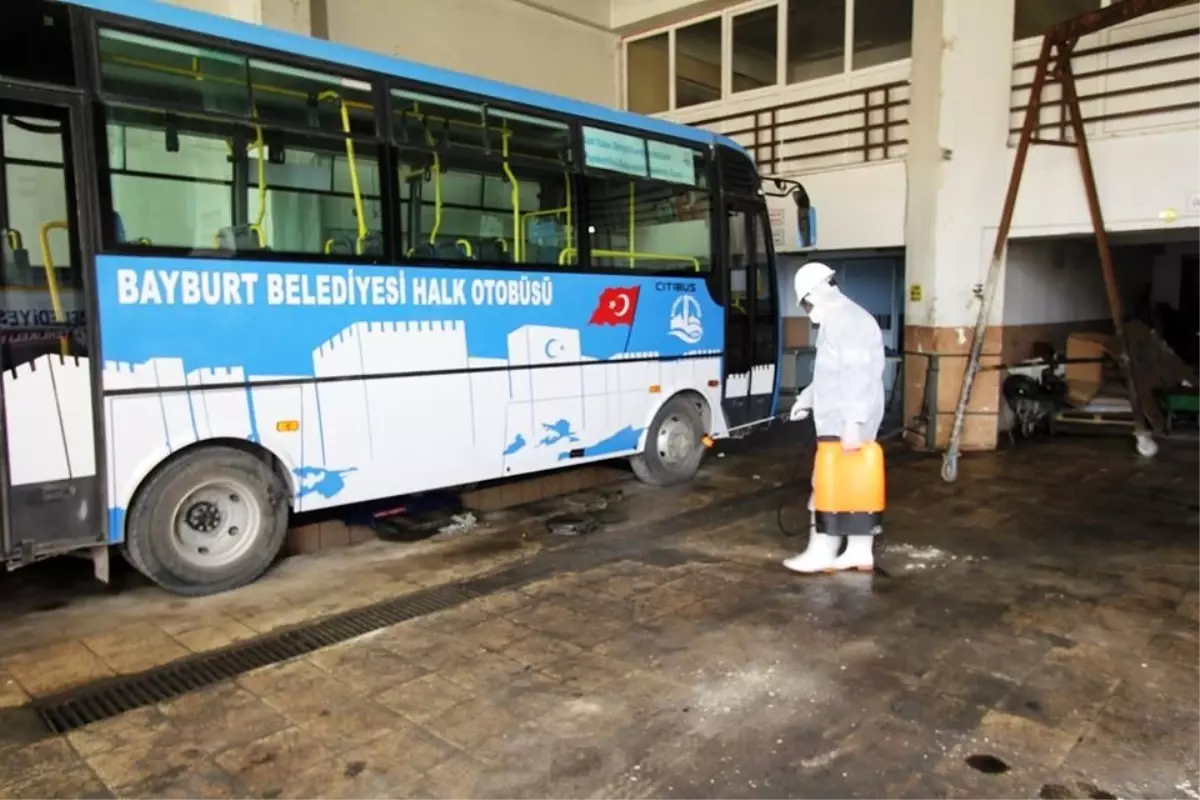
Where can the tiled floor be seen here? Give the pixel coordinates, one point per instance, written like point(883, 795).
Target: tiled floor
point(1043, 611)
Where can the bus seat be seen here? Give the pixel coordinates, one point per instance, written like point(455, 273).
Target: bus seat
point(373, 244)
point(542, 254)
point(449, 250)
point(492, 251)
point(238, 238)
point(339, 246)
point(423, 250)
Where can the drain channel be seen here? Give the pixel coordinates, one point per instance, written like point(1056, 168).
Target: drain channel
point(101, 700)
point(93, 702)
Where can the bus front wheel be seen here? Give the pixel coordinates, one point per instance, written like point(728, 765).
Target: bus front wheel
point(211, 520)
point(674, 445)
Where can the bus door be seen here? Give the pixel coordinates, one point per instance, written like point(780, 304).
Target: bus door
point(751, 317)
point(51, 499)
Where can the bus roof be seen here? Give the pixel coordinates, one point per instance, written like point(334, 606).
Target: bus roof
point(322, 50)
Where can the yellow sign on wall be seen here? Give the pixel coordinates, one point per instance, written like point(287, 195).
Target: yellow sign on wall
point(914, 293)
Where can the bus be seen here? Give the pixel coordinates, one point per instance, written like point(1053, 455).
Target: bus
point(248, 274)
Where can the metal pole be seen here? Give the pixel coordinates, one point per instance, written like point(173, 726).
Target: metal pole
point(1071, 97)
point(1028, 127)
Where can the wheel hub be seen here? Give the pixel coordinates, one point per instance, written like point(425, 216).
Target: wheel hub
point(204, 517)
point(216, 524)
point(675, 443)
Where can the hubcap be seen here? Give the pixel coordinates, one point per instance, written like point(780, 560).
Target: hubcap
point(676, 442)
point(216, 523)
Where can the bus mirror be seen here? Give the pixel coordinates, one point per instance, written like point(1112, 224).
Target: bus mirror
point(806, 225)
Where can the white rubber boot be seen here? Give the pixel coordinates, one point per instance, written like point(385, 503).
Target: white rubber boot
point(819, 556)
point(859, 555)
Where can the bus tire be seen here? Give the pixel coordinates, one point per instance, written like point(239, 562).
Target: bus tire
point(674, 445)
point(208, 521)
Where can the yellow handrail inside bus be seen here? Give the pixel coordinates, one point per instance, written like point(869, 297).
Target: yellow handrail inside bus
point(355, 186)
point(515, 195)
point(260, 146)
point(567, 253)
point(633, 225)
point(466, 246)
point(570, 211)
point(437, 199)
point(60, 314)
point(15, 241)
point(199, 75)
point(545, 212)
point(345, 106)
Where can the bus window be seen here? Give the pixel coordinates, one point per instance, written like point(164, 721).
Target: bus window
point(300, 175)
point(648, 225)
point(174, 183)
point(481, 184)
point(474, 210)
point(303, 99)
point(41, 283)
point(421, 120)
point(647, 203)
point(157, 71)
point(170, 183)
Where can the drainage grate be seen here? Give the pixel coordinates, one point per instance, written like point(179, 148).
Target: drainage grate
point(101, 700)
point(104, 699)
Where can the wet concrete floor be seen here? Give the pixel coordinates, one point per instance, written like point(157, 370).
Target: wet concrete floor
point(1032, 633)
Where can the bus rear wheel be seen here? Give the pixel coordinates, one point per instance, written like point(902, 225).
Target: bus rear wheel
point(674, 445)
point(211, 520)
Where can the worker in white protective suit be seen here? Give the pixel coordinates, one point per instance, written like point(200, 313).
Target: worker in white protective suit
point(845, 398)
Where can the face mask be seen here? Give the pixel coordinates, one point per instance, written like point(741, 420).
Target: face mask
point(816, 314)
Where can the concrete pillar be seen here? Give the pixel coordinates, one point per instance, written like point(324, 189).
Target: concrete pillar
point(957, 171)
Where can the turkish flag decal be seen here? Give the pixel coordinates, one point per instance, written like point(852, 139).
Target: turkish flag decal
point(616, 306)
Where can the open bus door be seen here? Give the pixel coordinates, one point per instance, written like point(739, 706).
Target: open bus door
point(51, 497)
point(751, 316)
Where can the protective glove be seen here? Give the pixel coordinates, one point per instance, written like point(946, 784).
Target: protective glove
point(803, 405)
point(851, 437)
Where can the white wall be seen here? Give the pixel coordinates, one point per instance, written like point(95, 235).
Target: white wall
point(1148, 181)
point(1053, 281)
point(860, 206)
point(505, 40)
point(524, 42)
point(1147, 166)
point(639, 14)
point(244, 10)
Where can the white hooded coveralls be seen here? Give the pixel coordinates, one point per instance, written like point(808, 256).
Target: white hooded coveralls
point(847, 383)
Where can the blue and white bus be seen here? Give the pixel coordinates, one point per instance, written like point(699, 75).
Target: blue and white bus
point(249, 274)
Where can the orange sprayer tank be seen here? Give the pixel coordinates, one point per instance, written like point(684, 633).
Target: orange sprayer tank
point(849, 491)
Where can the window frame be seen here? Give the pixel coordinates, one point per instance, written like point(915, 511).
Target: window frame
point(780, 47)
point(727, 16)
point(101, 100)
point(712, 189)
point(389, 150)
point(395, 148)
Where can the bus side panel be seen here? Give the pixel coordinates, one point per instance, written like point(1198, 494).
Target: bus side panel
point(369, 382)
